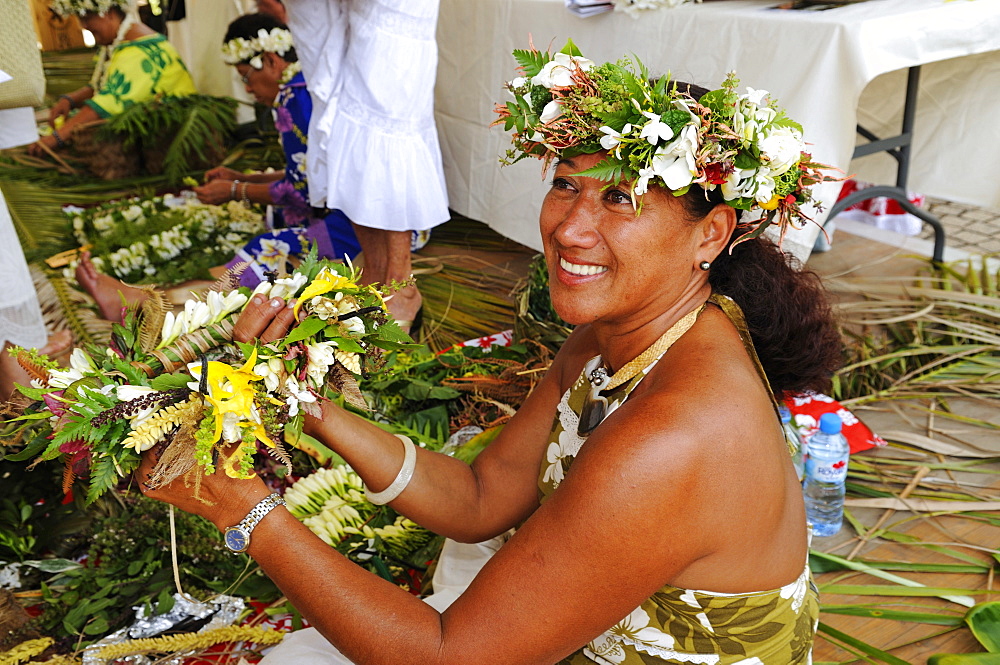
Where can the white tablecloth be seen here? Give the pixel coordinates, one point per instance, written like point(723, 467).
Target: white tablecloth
point(816, 63)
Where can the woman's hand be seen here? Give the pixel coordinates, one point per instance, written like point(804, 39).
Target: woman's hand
point(60, 109)
point(263, 319)
point(219, 498)
point(36, 149)
point(217, 192)
point(224, 173)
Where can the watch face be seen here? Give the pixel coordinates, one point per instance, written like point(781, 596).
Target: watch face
point(236, 540)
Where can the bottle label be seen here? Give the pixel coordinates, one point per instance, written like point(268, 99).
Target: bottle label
point(827, 471)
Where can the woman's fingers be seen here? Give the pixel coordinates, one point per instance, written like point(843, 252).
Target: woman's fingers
point(281, 323)
point(265, 319)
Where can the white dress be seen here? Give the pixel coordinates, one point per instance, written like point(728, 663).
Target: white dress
point(20, 316)
point(373, 148)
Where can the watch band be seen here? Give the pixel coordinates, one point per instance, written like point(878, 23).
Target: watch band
point(237, 538)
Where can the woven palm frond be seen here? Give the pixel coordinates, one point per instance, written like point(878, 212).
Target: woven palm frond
point(230, 280)
point(65, 308)
point(152, 313)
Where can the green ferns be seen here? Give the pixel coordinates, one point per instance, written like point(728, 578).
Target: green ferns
point(196, 123)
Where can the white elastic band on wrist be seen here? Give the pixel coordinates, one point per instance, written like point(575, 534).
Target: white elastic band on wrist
point(397, 486)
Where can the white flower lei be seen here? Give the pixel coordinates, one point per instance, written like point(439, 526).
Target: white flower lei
point(81, 7)
point(634, 8)
point(278, 41)
point(100, 75)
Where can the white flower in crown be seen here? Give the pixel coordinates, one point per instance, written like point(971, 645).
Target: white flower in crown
point(277, 40)
point(611, 138)
point(782, 147)
point(81, 7)
point(558, 72)
point(655, 130)
point(674, 163)
point(551, 111)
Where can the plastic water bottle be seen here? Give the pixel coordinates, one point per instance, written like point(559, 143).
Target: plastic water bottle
point(826, 471)
point(794, 439)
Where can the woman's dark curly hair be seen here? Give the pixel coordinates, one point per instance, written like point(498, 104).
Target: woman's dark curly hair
point(787, 310)
point(248, 25)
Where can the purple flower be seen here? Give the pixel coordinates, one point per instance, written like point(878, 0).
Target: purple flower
point(293, 204)
point(283, 120)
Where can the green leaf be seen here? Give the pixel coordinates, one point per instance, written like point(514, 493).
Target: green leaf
point(347, 344)
point(964, 659)
point(304, 330)
point(166, 382)
point(53, 565)
point(571, 49)
point(103, 476)
point(531, 62)
point(608, 169)
point(34, 447)
point(98, 626)
point(984, 622)
point(164, 602)
point(893, 590)
point(866, 648)
point(895, 615)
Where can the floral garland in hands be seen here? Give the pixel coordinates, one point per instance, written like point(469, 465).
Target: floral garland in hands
point(181, 382)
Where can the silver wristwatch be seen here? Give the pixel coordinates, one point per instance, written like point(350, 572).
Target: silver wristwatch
point(237, 538)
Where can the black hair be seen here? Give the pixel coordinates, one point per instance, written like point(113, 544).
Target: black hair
point(248, 25)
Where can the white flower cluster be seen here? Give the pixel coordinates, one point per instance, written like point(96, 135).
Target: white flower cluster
point(635, 8)
point(211, 228)
point(277, 40)
point(780, 148)
point(106, 218)
point(675, 159)
point(327, 308)
point(558, 72)
point(198, 314)
point(80, 7)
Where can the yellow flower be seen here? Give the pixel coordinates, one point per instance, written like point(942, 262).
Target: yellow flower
point(231, 393)
point(325, 282)
point(772, 204)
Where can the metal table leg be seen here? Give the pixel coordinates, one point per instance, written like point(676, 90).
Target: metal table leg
point(899, 148)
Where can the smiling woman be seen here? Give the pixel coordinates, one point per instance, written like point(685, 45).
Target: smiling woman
point(658, 516)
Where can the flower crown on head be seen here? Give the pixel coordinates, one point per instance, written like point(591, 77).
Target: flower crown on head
point(566, 105)
point(80, 7)
point(277, 40)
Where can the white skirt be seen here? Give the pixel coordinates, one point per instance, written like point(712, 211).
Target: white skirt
point(373, 147)
point(21, 320)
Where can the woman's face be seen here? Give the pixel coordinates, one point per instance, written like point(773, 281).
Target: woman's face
point(103, 27)
point(608, 264)
point(262, 83)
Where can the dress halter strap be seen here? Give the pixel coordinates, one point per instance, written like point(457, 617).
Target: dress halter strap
point(735, 316)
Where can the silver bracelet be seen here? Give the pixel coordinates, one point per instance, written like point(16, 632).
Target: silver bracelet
point(232, 190)
point(403, 478)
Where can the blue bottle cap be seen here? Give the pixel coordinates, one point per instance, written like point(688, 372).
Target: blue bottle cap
point(786, 415)
point(829, 423)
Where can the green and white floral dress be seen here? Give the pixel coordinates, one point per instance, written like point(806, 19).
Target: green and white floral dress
point(681, 625)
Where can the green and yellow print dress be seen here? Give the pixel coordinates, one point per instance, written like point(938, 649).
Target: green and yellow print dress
point(681, 625)
point(138, 71)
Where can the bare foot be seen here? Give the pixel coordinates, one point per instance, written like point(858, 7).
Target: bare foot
point(106, 290)
point(404, 306)
point(11, 372)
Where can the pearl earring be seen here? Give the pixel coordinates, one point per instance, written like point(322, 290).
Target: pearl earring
point(704, 265)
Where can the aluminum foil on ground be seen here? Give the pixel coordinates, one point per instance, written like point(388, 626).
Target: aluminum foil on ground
point(187, 615)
